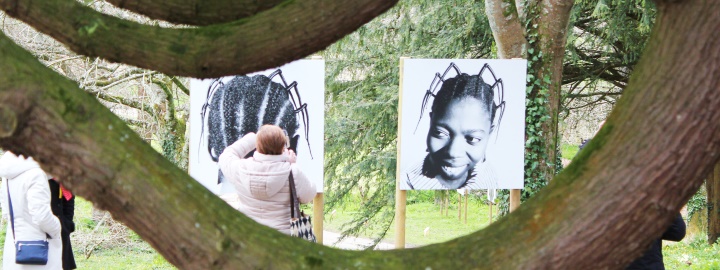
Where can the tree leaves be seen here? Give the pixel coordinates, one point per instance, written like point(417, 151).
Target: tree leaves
point(362, 97)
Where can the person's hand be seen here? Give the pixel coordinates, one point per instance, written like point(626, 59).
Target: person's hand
point(292, 158)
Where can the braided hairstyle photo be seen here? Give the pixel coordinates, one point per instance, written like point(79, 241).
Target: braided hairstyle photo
point(465, 112)
point(244, 104)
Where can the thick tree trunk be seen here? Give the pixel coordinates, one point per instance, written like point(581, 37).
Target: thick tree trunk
point(552, 24)
point(713, 204)
point(507, 28)
point(266, 40)
point(617, 196)
point(548, 26)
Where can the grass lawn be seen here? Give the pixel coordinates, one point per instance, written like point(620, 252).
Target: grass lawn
point(113, 247)
point(421, 216)
point(119, 258)
point(568, 151)
point(691, 253)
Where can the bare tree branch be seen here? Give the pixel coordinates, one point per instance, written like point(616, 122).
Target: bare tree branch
point(180, 85)
point(132, 75)
point(125, 101)
point(594, 94)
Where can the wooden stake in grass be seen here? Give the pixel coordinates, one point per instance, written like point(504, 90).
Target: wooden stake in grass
point(460, 204)
point(318, 216)
point(447, 203)
point(466, 205)
point(491, 195)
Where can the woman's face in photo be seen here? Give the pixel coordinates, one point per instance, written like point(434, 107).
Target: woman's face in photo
point(458, 137)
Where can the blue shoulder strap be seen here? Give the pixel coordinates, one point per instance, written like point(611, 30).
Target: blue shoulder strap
point(12, 218)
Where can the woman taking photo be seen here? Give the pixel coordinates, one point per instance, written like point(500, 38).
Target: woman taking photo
point(261, 181)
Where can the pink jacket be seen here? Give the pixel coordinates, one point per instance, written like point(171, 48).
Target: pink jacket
point(262, 183)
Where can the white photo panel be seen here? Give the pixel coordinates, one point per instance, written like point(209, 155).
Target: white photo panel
point(223, 110)
point(462, 124)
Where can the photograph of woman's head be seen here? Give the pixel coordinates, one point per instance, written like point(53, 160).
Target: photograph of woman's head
point(225, 109)
point(245, 103)
point(460, 116)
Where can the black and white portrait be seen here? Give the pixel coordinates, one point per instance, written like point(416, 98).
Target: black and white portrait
point(225, 109)
point(462, 124)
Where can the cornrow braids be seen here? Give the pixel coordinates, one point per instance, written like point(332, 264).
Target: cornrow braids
point(464, 86)
point(244, 104)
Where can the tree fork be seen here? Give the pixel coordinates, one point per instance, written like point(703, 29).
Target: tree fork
point(266, 40)
point(617, 196)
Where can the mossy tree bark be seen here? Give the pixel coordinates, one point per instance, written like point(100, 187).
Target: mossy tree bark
point(507, 28)
point(544, 23)
point(266, 40)
point(552, 26)
point(197, 12)
point(600, 212)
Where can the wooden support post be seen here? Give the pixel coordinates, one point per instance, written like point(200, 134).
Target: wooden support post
point(459, 206)
point(400, 203)
point(514, 199)
point(466, 205)
point(400, 195)
point(318, 216)
point(447, 204)
point(442, 202)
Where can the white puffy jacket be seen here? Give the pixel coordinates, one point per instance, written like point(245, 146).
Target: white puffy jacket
point(262, 183)
point(30, 194)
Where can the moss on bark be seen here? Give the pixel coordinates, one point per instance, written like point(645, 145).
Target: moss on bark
point(598, 215)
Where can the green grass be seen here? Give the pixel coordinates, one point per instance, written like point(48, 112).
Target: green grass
point(132, 253)
point(694, 253)
point(118, 258)
point(420, 216)
point(568, 151)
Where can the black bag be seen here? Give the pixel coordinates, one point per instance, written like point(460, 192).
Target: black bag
point(27, 252)
point(300, 224)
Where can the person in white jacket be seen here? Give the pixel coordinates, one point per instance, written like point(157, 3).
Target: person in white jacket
point(262, 181)
point(30, 195)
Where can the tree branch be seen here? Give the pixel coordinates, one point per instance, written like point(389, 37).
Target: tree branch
point(137, 123)
point(593, 94)
point(507, 28)
point(599, 212)
point(170, 101)
point(180, 85)
point(125, 101)
point(266, 40)
point(196, 12)
point(132, 75)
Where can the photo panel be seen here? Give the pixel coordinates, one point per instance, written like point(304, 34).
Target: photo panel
point(462, 124)
point(225, 109)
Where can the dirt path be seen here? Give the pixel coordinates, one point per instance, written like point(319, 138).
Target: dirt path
point(354, 243)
